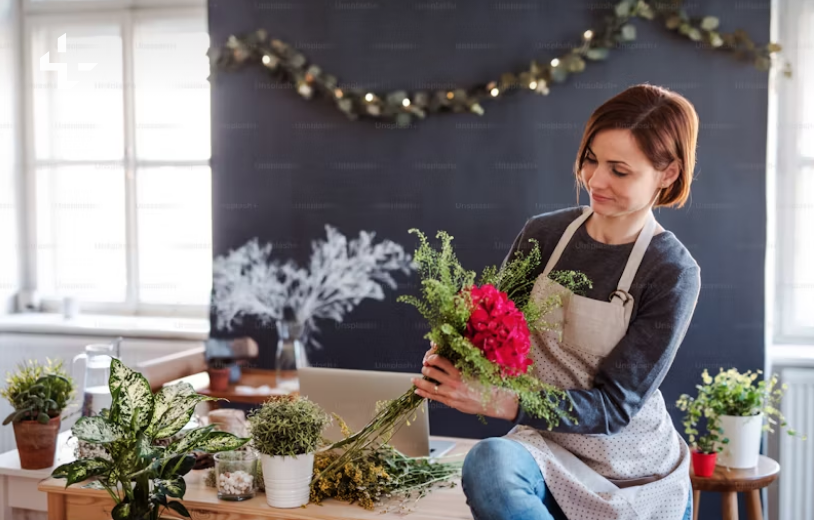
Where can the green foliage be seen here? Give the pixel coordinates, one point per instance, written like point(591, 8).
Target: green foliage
point(38, 392)
point(287, 425)
point(141, 475)
point(731, 393)
point(446, 305)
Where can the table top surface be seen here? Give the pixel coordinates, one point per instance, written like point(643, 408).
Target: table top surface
point(255, 386)
point(440, 504)
point(10, 460)
point(733, 479)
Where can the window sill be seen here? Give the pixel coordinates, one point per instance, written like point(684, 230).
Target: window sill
point(791, 355)
point(106, 325)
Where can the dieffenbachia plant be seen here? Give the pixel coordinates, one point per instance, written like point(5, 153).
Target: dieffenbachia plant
point(142, 477)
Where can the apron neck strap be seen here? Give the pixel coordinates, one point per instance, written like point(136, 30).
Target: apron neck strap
point(633, 261)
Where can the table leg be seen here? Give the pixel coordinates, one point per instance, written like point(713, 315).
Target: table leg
point(696, 503)
point(754, 511)
point(56, 506)
point(729, 503)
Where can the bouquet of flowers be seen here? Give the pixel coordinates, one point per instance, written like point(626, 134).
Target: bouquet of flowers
point(484, 329)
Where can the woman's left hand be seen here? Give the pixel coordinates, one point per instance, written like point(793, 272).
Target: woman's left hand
point(464, 396)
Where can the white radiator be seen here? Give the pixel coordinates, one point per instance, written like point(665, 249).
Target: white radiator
point(796, 457)
point(16, 348)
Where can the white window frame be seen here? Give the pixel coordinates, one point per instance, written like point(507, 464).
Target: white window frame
point(125, 13)
point(784, 167)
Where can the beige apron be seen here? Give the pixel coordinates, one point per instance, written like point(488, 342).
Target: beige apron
point(641, 472)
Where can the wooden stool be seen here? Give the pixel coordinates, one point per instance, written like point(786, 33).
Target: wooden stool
point(730, 482)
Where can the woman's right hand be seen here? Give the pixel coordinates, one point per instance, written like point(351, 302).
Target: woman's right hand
point(433, 348)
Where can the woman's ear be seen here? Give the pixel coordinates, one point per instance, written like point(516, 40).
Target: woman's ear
point(670, 174)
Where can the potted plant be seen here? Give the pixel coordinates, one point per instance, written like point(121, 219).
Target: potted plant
point(705, 448)
point(219, 371)
point(141, 476)
point(287, 430)
point(39, 394)
point(744, 408)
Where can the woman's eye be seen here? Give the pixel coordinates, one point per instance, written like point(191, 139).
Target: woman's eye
point(590, 159)
point(619, 174)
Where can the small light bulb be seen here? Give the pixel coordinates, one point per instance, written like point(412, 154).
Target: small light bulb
point(406, 102)
point(266, 59)
point(588, 34)
point(555, 62)
point(339, 93)
point(533, 85)
point(450, 95)
point(494, 92)
point(368, 97)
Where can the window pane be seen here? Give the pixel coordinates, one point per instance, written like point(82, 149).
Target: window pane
point(803, 282)
point(81, 233)
point(175, 235)
point(805, 74)
point(83, 121)
point(172, 93)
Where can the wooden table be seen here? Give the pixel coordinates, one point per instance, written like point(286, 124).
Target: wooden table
point(729, 482)
point(239, 393)
point(76, 503)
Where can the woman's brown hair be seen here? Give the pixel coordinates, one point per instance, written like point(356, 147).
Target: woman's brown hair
point(664, 125)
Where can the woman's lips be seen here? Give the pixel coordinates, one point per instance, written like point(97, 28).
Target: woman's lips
point(598, 198)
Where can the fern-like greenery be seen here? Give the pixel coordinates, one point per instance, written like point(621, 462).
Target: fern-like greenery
point(446, 305)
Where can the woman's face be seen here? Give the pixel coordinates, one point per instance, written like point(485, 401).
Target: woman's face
point(619, 177)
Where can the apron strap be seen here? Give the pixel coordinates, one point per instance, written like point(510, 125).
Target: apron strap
point(565, 238)
point(634, 260)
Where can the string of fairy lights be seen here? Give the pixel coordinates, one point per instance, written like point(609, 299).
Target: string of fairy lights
point(287, 64)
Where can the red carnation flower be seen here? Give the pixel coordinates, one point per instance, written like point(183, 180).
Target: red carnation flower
point(499, 329)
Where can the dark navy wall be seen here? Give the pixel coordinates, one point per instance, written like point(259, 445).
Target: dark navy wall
point(284, 167)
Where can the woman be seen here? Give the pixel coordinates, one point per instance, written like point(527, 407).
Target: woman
point(622, 458)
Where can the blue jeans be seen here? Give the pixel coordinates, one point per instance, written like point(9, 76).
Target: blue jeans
point(502, 481)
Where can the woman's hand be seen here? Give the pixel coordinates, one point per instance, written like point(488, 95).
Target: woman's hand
point(464, 396)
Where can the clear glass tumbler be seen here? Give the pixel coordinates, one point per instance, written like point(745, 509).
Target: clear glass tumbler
point(236, 474)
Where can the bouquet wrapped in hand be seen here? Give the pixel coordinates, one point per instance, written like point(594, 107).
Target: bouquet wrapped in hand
point(483, 329)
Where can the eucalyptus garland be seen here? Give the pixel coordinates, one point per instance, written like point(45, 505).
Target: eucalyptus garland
point(287, 64)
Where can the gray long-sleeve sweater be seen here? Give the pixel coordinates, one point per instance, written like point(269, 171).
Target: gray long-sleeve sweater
point(665, 291)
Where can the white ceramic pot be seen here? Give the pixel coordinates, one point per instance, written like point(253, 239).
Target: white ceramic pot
point(744, 434)
point(287, 479)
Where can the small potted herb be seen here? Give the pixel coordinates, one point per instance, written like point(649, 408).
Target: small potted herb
point(742, 409)
point(287, 430)
point(219, 371)
point(705, 448)
point(141, 476)
point(39, 394)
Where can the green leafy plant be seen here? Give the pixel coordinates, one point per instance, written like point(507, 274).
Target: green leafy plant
point(287, 425)
point(736, 394)
point(696, 408)
point(38, 392)
point(141, 476)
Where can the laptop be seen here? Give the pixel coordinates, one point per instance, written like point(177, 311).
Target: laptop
point(352, 394)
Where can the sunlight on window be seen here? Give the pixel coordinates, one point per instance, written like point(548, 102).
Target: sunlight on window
point(81, 243)
point(172, 92)
point(85, 121)
point(175, 235)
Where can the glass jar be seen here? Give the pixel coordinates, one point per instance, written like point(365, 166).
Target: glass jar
point(235, 474)
point(290, 351)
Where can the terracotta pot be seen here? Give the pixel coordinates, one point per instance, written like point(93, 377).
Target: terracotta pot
point(219, 379)
point(37, 443)
point(703, 464)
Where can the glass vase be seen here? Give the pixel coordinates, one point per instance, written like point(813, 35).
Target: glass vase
point(236, 474)
point(290, 353)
